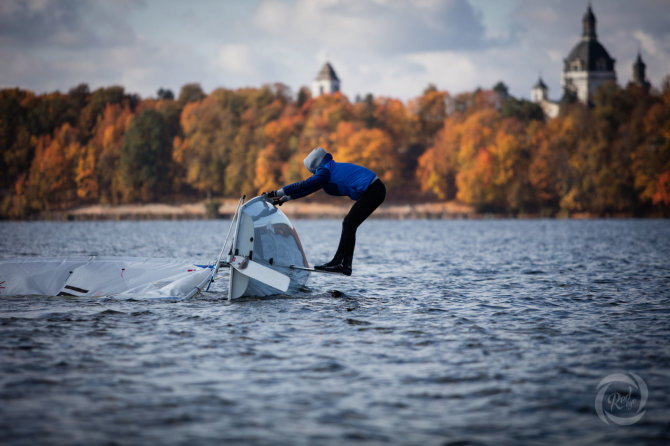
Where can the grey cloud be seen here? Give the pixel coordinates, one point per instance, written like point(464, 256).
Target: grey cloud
point(451, 25)
point(652, 16)
point(562, 21)
point(66, 24)
point(389, 27)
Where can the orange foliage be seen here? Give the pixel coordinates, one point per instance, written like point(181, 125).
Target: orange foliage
point(495, 154)
point(439, 164)
point(281, 145)
point(51, 177)
point(662, 194)
point(201, 152)
point(372, 148)
point(474, 183)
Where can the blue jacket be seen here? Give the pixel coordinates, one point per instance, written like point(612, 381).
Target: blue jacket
point(335, 179)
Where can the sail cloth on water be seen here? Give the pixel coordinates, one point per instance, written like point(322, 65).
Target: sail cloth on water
point(264, 252)
point(102, 276)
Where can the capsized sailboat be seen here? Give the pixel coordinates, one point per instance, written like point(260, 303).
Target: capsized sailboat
point(265, 257)
point(265, 253)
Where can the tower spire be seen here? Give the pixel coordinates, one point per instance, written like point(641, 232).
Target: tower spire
point(639, 73)
point(589, 24)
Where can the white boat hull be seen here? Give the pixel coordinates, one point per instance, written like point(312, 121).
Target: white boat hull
point(265, 235)
point(257, 288)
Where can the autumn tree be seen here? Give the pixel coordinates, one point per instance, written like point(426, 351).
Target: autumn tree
point(51, 182)
point(190, 93)
point(651, 156)
point(201, 155)
point(165, 94)
point(353, 143)
point(97, 173)
point(252, 110)
point(96, 104)
point(145, 158)
point(437, 167)
point(431, 110)
point(321, 117)
point(16, 147)
point(523, 110)
point(281, 143)
point(485, 147)
point(480, 157)
point(399, 123)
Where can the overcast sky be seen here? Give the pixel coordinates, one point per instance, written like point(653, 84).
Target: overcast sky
point(385, 47)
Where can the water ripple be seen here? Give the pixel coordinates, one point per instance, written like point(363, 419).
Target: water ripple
point(449, 332)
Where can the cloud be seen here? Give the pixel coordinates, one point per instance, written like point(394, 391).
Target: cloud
point(237, 59)
point(385, 47)
point(655, 53)
point(376, 26)
point(614, 16)
point(65, 24)
point(648, 43)
point(448, 70)
point(396, 48)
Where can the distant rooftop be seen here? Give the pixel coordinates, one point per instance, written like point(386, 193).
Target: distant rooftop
point(327, 73)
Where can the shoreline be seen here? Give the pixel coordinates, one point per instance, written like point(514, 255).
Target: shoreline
point(450, 210)
point(294, 210)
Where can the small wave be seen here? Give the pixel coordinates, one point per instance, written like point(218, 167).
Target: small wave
point(109, 312)
point(351, 321)
point(141, 313)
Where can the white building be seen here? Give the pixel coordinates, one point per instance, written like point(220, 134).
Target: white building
point(540, 95)
point(589, 65)
point(540, 92)
point(326, 81)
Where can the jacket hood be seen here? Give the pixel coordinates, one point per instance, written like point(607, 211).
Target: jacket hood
point(326, 160)
point(316, 158)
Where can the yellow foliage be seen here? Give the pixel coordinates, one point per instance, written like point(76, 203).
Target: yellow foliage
point(662, 194)
point(372, 148)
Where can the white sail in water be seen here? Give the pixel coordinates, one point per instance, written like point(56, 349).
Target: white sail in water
point(264, 247)
point(102, 276)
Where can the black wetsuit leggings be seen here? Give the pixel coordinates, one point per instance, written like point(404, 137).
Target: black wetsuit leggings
point(364, 206)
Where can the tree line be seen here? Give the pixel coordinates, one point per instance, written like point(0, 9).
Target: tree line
point(484, 148)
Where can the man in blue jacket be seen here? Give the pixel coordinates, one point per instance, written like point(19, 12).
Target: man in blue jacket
point(356, 182)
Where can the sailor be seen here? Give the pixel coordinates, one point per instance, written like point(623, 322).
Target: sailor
point(356, 182)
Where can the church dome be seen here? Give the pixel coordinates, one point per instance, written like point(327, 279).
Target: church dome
point(589, 55)
point(588, 66)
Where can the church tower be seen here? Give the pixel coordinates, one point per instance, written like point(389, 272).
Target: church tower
point(540, 92)
point(639, 74)
point(589, 65)
point(326, 81)
point(540, 95)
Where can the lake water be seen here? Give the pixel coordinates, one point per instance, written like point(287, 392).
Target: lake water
point(448, 332)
